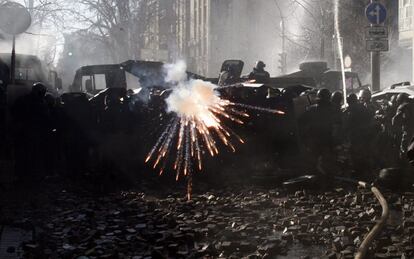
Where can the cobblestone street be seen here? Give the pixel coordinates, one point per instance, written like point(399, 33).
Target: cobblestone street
point(230, 223)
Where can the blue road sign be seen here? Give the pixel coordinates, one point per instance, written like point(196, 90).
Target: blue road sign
point(376, 13)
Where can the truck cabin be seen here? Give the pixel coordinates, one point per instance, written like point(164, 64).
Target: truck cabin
point(29, 70)
point(332, 80)
point(317, 74)
point(131, 75)
point(93, 79)
point(4, 74)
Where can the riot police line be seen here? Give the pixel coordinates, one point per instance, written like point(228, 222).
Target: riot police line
point(73, 136)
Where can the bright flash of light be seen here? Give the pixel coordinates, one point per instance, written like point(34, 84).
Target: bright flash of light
point(198, 126)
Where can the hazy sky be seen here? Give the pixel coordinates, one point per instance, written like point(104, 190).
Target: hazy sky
point(50, 20)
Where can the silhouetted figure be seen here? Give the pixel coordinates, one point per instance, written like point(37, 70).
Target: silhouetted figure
point(365, 99)
point(410, 153)
point(4, 80)
point(385, 114)
point(227, 77)
point(115, 130)
point(116, 116)
point(386, 146)
point(52, 145)
point(3, 109)
point(32, 128)
point(76, 125)
point(259, 74)
point(357, 126)
point(316, 127)
point(404, 121)
point(337, 101)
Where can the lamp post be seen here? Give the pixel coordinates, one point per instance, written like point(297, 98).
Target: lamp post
point(283, 55)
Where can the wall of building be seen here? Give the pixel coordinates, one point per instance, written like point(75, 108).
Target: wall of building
point(405, 36)
point(405, 18)
point(205, 33)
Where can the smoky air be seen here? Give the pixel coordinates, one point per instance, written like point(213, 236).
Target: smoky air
point(138, 129)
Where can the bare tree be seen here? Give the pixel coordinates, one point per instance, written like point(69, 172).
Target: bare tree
point(317, 30)
point(118, 24)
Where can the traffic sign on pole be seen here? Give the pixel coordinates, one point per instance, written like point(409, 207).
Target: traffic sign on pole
point(376, 13)
point(14, 18)
point(376, 32)
point(377, 45)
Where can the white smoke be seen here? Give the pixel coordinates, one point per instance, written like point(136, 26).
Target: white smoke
point(176, 72)
point(191, 98)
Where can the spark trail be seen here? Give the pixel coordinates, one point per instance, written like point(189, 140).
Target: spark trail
point(340, 47)
point(198, 126)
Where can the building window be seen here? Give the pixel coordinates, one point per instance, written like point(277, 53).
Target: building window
point(405, 15)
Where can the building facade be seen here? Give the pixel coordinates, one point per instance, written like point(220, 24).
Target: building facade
point(406, 28)
point(206, 32)
point(405, 21)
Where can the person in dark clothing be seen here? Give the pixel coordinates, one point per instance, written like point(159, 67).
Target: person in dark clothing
point(115, 125)
point(3, 110)
point(403, 121)
point(387, 142)
point(396, 128)
point(365, 99)
point(31, 122)
point(75, 126)
point(52, 148)
point(337, 101)
point(358, 122)
point(227, 77)
point(316, 127)
point(116, 116)
point(259, 74)
point(385, 114)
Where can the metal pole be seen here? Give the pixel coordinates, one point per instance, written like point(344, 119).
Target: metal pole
point(31, 6)
point(283, 28)
point(284, 56)
point(376, 70)
point(13, 62)
point(322, 54)
point(283, 35)
point(375, 67)
point(322, 29)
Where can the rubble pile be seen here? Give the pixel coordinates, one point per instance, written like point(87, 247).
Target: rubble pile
point(221, 224)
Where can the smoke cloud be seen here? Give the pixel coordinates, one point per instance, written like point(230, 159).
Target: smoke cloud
point(191, 98)
point(175, 72)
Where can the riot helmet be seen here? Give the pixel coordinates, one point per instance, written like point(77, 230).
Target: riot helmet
point(337, 97)
point(260, 65)
point(402, 98)
point(352, 99)
point(365, 95)
point(324, 95)
point(39, 89)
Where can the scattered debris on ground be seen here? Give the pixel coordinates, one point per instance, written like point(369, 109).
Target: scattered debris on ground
point(229, 223)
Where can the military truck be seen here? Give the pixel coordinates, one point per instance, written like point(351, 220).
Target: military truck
point(311, 74)
point(29, 70)
point(322, 76)
point(131, 75)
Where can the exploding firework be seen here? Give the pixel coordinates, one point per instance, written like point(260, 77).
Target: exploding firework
point(198, 126)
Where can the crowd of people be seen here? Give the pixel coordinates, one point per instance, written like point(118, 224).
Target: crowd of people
point(368, 135)
point(66, 135)
point(49, 135)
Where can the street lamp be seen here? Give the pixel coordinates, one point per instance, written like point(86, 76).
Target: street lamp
point(283, 55)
